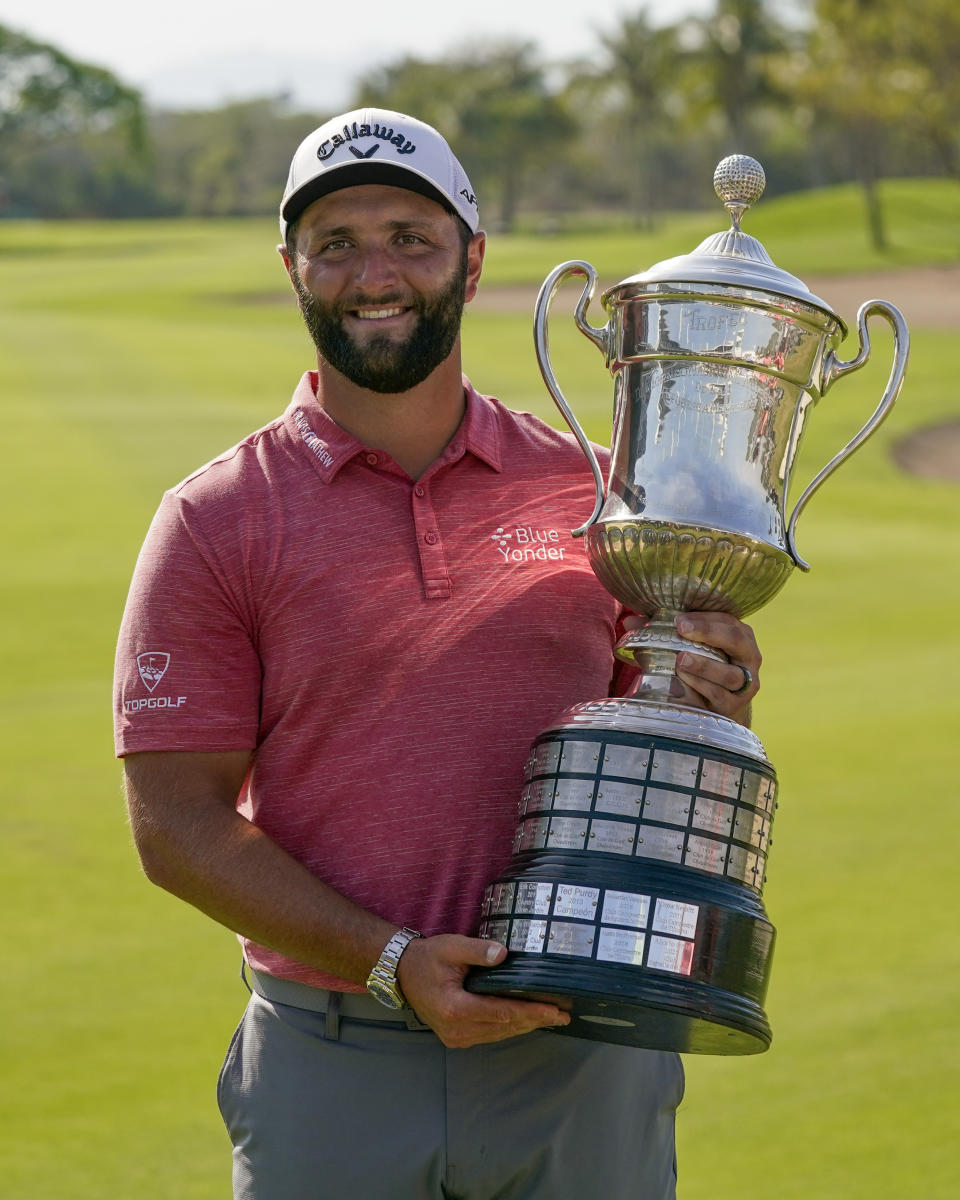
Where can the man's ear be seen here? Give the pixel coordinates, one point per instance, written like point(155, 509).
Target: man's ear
point(475, 252)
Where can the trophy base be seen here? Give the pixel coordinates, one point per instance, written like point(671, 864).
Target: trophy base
point(654, 1015)
point(633, 899)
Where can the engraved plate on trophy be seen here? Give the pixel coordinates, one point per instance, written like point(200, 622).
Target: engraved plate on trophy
point(546, 757)
point(498, 931)
point(612, 837)
point(539, 796)
point(750, 827)
point(534, 898)
point(614, 796)
point(670, 954)
point(720, 777)
point(528, 936)
point(567, 833)
point(706, 854)
point(625, 908)
point(580, 756)
point(568, 938)
point(744, 865)
point(672, 807)
point(712, 815)
point(573, 794)
point(629, 762)
point(501, 899)
point(670, 916)
point(654, 842)
point(758, 792)
point(533, 833)
point(674, 768)
point(575, 901)
point(620, 945)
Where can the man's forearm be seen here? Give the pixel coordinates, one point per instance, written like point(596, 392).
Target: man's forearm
point(194, 843)
point(203, 851)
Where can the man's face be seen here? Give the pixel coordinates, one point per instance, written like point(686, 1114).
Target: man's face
point(382, 276)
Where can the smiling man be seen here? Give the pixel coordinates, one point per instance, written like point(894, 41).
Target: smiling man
point(355, 661)
point(383, 337)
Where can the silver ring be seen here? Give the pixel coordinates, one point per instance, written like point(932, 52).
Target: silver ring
point(747, 680)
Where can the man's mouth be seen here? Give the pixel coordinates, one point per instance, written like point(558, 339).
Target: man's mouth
point(376, 314)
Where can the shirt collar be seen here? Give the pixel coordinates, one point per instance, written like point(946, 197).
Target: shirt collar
point(479, 432)
point(330, 446)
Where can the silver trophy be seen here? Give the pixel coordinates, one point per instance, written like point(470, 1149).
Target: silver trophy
point(634, 896)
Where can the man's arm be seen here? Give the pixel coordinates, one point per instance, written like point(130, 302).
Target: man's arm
point(193, 843)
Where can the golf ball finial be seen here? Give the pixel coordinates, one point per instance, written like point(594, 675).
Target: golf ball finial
point(739, 182)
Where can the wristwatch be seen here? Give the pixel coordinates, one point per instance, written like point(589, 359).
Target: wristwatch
point(382, 980)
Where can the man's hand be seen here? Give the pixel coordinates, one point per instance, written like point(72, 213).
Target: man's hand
point(431, 974)
point(716, 685)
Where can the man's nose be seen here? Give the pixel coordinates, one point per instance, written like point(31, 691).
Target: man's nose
point(375, 269)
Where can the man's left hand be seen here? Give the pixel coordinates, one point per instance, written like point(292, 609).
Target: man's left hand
point(715, 685)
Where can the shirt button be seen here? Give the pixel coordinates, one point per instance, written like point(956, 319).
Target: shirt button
point(430, 539)
point(372, 460)
point(418, 490)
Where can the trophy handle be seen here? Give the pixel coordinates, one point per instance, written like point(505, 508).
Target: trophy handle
point(599, 337)
point(833, 369)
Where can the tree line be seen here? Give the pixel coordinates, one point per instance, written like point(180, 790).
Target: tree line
point(824, 91)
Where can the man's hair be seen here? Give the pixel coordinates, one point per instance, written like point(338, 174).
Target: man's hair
point(463, 229)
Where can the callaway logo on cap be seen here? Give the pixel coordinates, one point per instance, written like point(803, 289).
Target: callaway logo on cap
point(372, 145)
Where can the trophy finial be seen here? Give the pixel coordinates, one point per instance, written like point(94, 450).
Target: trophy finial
point(739, 182)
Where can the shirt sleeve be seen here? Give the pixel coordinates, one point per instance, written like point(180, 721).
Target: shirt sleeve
point(187, 673)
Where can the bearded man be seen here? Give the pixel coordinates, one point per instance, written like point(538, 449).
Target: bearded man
point(346, 677)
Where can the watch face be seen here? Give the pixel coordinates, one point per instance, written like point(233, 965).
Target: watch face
point(385, 993)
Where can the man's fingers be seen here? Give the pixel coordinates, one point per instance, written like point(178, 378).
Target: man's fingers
point(489, 953)
point(522, 1014)
point(468, 1020)
point(732, 677)
point(723, 632)
point(716, 695)
point(726, 687)
point(431, 974)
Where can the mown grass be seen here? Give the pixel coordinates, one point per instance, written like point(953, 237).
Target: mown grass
point(130, 353)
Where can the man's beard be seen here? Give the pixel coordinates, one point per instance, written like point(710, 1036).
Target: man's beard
point(383, 364)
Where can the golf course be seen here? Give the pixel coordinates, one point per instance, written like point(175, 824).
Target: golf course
point(132, 352)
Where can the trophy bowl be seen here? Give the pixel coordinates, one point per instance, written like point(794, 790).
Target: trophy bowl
point(634, 895)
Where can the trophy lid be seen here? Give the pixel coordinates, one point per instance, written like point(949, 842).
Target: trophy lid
point(732, 257)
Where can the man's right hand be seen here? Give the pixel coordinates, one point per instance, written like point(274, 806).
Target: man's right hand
point(431, 975)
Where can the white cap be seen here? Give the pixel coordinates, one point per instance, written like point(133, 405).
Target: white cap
point(373, 145)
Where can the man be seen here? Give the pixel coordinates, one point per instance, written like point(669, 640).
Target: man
point(328, 679)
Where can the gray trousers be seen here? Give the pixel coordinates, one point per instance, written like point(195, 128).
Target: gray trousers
point(321, 1110)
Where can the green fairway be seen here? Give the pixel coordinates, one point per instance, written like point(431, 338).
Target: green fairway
point(129, 354)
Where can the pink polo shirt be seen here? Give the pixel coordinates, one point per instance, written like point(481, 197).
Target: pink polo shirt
point(389, 648)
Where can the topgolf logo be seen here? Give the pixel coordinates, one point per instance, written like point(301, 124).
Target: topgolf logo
point(152, 666)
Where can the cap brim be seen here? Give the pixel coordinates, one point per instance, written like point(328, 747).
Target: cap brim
point(352, 174)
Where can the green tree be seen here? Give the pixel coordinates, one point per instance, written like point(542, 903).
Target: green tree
point(227, 161)
point(921, 42)
point(845, 79)
point(732, 66)
point(493, 104)
point(49, 101)
point(884, 77)
point(636, 102)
